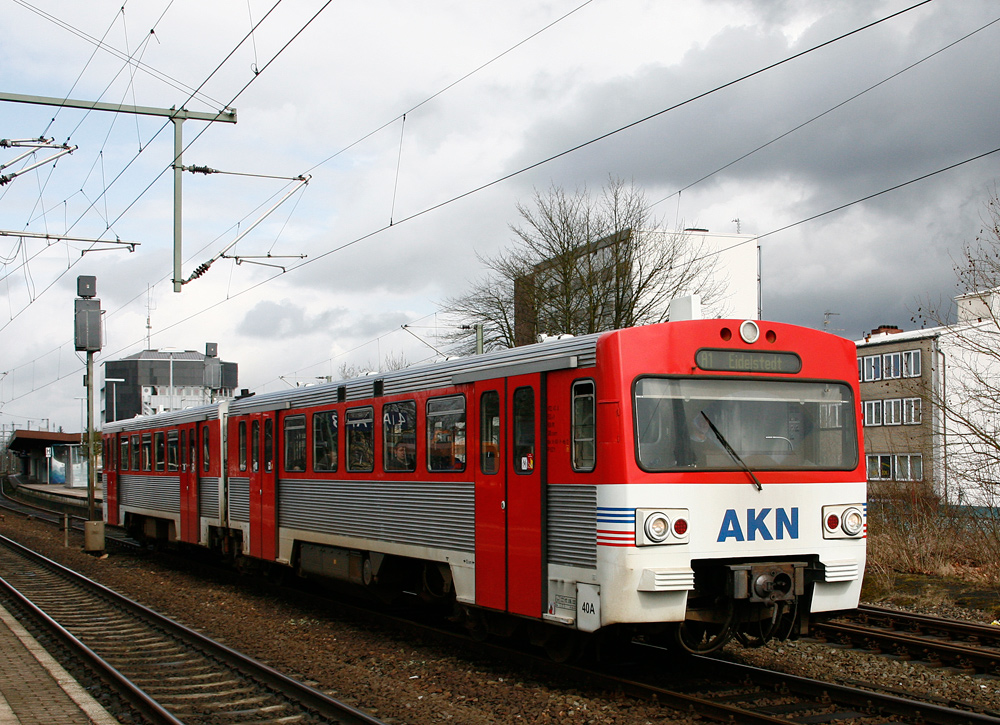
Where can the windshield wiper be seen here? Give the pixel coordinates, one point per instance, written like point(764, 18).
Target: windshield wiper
point(731, 452)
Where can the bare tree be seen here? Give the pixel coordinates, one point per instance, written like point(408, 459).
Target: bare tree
point(968, 400)
point(581, 263)
point(346, 371)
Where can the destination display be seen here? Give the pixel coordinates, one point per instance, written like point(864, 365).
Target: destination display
point(747, 361)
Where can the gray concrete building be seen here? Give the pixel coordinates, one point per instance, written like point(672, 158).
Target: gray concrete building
point(155, 381)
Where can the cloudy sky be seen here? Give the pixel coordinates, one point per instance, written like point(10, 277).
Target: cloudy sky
point(488, 90)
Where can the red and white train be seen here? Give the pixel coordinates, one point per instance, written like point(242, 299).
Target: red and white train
point(697, 479)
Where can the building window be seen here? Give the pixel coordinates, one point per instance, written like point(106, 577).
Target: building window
point(873, 412)
point(872, 368)
point(911, 411)
point(399, 436)
point(909, 467)
point(829, 415)
point(892, 365)
point(879, 468)
point(584, 431)
point(360, 439)
point(911, 364)
point(446, 434)
point(892, 412)
point(861, 372)
point(325, 441)
point(295, 443)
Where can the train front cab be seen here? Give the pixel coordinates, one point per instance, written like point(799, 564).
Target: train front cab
point(762, 527)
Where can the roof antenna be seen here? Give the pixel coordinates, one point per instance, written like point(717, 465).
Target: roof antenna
point(150, 306)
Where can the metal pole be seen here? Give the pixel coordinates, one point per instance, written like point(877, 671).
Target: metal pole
point(91, 452)
point(178, 171)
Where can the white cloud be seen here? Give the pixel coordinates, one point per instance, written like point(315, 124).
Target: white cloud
point(360, 66)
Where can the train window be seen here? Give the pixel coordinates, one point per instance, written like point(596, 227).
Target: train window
point(295, 443)
point(360, 439)
point(255, 445)
point(159, 450)
point(325, 441)
point(489, 432)
point(524, 430)
point(192, 456)
point(137, 454)
point(584, 415)
point(184, 450)
point(446, 434)
point(173, 451)
point(123, 456)
point(268, 444)
point(242, 442)
point(686, 423)
point(399, 436)
point(205, 449)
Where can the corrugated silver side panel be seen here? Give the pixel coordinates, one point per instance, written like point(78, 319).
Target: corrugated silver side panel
point(437, 515)
point(239, 499)
point(158, 493)
point(572, 525)
point(424, 377)
point(208, 497)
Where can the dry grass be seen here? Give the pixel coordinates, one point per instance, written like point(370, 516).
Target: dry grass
point(907, 538)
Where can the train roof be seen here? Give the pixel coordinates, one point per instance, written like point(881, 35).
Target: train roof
point(556, 354)
point(561, 354)
point(174, 417)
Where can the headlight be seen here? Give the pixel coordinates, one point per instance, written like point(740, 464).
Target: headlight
point(844, 521)
point(657, 526)
point(852, 521)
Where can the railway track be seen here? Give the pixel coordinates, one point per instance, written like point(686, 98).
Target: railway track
point(974, 648)
point(170, 673)
point(724, 691)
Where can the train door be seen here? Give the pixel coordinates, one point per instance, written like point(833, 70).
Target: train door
point(190, 522)
point(263, 532)
point(509, 491)
point(113, 461)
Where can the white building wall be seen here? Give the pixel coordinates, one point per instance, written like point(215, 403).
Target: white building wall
point(738, 265)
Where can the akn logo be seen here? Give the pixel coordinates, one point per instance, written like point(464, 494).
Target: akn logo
point(756, 525)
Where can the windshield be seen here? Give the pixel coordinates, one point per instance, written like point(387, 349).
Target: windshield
point(770, 424)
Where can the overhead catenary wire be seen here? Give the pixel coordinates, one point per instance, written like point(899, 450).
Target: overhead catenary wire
point(261, 283)
point(257, 71)
point(575, 148)
point(197, 136)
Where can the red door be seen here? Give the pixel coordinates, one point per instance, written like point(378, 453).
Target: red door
point(263, 532)
point(190, 521)
point(491, 497)
point(509, 496)
point(112, 463)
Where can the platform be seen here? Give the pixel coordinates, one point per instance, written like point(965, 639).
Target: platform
point(35, 689)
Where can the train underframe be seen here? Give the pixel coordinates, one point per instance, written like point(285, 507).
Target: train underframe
point(752, 602)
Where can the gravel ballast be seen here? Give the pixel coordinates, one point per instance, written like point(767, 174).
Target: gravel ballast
point(400, 680)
